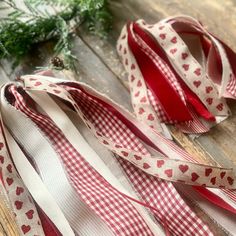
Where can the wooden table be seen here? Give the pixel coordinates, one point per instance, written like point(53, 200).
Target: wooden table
point(99, 66)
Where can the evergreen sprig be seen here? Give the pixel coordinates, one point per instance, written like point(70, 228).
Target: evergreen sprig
point(39, 20)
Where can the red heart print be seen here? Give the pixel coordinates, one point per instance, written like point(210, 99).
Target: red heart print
point(230, 180)
point(162, 36)
point(213, 180)
point(125, 51)
point(150, 117)
point(161, 27)
point(169, 173)
point(173, 50)
point(9, 168)
point(18, 205)
point(123, 37)
point(184, 55)
point(19, 190)
point(209, 101)
point(143, 100)
point(138, 158)
point(25, 228)
point(195, 176)
point(197, 72)
point(209, 89)
point(146, 166)
point(124, 153)
point(141, 111)
point(52, 85)
point(185, 66)
point(174, 40)
point(208, 171)
point(132, 67)
point(9, 181)
point(30, 214)
point(1, 159)
point(139, 84)
point(1, 146)
point(183, 168)
point(220, 106)
point(56, 91)
point(132, 78)
point(160, 163)
point(37, 83)
point(105, 142)
point(222, 174)
point(126, 62)
point(137, 94)
point(197, 83)
point(118, 146)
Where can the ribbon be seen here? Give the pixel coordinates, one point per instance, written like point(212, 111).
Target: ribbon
point(162, 42)
point(21, 202)
point(172, 76)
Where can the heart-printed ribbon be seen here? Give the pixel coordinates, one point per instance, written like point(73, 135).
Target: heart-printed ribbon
point(21, 202)
point(183, 88)
point(170, 169)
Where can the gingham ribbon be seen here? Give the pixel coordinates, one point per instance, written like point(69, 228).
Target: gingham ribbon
point(197, 89)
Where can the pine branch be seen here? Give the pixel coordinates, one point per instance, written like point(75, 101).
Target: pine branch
point(40, 20)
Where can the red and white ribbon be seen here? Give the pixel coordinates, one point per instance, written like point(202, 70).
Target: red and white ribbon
point(21, 202)
point(183, 87)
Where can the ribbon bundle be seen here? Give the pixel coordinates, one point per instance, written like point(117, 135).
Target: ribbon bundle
point(178, 73)
point(59, 183)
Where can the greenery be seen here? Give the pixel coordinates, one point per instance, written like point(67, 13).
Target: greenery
point(36, 21)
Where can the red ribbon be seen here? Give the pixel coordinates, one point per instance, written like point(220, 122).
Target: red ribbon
point(158, 84)
point(190, 96)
